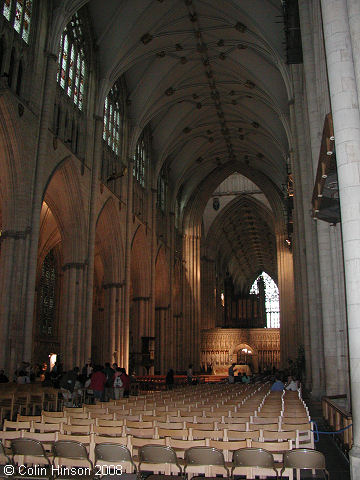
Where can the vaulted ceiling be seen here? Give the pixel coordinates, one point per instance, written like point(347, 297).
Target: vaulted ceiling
point(210, 77)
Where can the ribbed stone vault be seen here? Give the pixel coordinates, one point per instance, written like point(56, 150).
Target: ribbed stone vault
point(242, 238)
point(208, 77)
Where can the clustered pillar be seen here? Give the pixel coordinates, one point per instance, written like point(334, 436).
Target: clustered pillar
point(341, 44)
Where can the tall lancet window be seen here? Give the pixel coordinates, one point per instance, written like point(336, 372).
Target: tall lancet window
point(47, 295)
point(18, 13)
point(71, 63)
point(272, 304)
point(113, 119)
point(141, 159)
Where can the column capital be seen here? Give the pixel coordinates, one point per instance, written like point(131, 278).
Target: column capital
point(76, 265)
point(139, 299)
point(15, 234)
point(113, 285)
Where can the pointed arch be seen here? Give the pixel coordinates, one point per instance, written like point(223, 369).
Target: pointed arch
point(140, 263)
point(63, 195)
point(109, 242)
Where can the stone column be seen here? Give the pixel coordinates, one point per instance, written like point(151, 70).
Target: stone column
point(288, 328)
point(139, 329)
point(152, 303)
point(341, 340)
point(14, 251)
point(354, 23)
point(129, 232)
point(313, 118)
point(172, 324)
point(97, 157)
point(118, 322)
point(191, 252)
point(208, 299)
point(162, 340)
point(346, 119)
point(72, 346)
point(112, 321)
point(37, 193)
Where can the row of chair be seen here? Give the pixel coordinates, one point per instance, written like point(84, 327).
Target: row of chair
point(115, 459)
point(297, 437)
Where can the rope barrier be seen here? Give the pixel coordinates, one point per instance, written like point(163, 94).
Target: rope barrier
point(318, 432)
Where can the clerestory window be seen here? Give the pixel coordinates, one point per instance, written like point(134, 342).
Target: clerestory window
point(72, 63)
point(141, 159)
point(113, 119)
point(18, 14)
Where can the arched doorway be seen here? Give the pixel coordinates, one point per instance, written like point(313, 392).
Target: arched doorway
point(246, 356)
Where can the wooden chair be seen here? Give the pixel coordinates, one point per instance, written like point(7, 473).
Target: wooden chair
point(9, 425)
point(173, 433)
point(77, 429)
point(211, 434)
point(108, 431)
point(228, 448)
point(46, 427)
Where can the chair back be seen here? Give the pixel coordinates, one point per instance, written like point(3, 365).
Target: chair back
point(304, 458)
point(70, 449)
point(27, 446)
point(204, 456)
point(113, 453)
point(157, 454)
point(253, 457)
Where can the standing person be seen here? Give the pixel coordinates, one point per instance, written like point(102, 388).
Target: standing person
point(170, 379)
point(189, 374)
point(232, 373)
point(118, 384)
point(97, 384)
point(109, 373)
point(126, 382)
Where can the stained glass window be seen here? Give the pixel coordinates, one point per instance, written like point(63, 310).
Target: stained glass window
point(161, 190)
point(47, 295)
point(113, 119)
point(71, 62)
point(140, 161)
point(272, 304)
point(18, 13)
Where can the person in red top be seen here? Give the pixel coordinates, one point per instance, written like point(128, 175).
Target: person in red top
point(126, 382)
point(97, 384)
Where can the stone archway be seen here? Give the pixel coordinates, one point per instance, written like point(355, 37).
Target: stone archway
point(109, 268)
point(244, 354)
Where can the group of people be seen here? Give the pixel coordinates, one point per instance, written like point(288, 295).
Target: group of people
point(103, 382)
point(278, 386)
point(241, 376)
